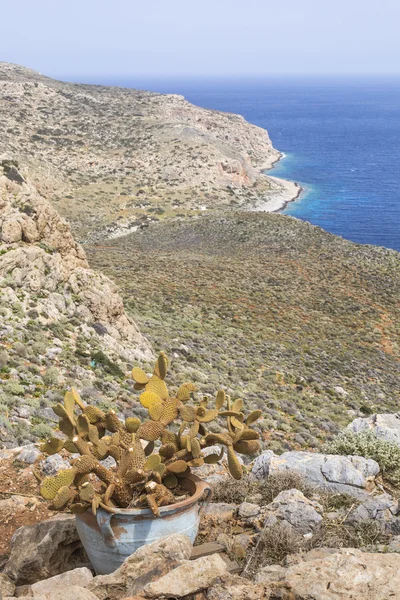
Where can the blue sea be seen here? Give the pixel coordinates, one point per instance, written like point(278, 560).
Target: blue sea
point(340, 138)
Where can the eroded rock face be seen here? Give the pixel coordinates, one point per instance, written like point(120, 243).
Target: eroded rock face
point(344, 474)
point(338, 575)
point(43, 550)
point(39, 255)
point(147, 564)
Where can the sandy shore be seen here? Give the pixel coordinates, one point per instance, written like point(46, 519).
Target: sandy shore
point(282, 192)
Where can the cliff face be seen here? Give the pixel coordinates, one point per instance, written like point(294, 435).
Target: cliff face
point(43, 269)
point(113, 158)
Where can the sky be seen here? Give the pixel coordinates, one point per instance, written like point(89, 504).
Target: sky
point(229, 38)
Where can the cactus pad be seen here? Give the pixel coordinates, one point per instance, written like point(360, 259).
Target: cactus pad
point(169, 411)
point(150, 431)
point(253, 417)
point(185, 391)
point(50, 485)
point(247, 447)
point(235, 468)
point(52, 446)
point(148, 398)
point(220, 400)
point(179, 466)
point(139, 376)
point(62, 497)
point(157, 386)
point(94, 414)
point(132, 424)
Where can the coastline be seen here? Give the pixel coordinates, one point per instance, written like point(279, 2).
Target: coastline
point(282, 191)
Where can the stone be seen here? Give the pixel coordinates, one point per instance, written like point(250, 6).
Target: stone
point(247, 510)
point(29, 455)
point(148, 563)
point(384, 426)
point(80, 577)
point(382, 508)
point(343, 474)
point(234, 587)
point(220, 510)
point(52, 464)
point(7, 587)
point(293, 507)
point(345, 574)
point(190, 577)
point(73, 592)
point(43, 550)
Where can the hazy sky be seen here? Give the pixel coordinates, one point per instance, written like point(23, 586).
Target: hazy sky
point(201, 37)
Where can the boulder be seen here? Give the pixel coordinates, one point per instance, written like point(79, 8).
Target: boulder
point(293, 507)
point(147, 564)
point(384, 426)
point(344, 474)
point(190, 577)
point(80, 577)
point(340, 574)
point(43, 550)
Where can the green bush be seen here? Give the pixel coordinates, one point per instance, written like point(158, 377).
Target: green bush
point(366, 444)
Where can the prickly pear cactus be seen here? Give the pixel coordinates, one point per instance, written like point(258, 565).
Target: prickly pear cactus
point(153, 457)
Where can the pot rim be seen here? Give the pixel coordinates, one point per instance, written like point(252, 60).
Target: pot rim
point(201, 486)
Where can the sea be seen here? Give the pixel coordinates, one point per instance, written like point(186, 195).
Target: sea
point(340, 139)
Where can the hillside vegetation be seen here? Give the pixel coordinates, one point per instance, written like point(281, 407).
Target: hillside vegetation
point(303, 323)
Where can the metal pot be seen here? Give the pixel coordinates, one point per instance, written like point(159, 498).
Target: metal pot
point(109, 538)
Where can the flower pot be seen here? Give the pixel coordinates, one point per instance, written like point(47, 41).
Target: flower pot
point(109, 538)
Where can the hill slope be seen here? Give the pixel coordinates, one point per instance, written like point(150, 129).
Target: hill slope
point(302, 322)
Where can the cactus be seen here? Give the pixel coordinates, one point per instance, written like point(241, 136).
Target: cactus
point(145, 474)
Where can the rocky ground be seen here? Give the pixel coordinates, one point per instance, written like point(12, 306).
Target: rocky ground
point(112, 159)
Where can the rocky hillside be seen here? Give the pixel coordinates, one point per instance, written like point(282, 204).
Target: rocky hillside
point(60, 321)
point(303, 324)
point(112, 158)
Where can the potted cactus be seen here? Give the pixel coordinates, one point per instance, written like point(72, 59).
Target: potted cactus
point(151, 490)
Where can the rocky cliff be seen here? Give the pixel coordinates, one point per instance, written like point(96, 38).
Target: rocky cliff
point(114, 158)
point(57, 315)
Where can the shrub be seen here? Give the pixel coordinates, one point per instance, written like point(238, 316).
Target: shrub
point(366, 444)
point(283, 480)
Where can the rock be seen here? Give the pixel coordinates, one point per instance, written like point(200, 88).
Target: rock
point(190, 577)
point(338, 574)
point(7, 587)
point(247, 510)
point(29, 455)
point(384, 426)
point(148, 563)
point(381, 508)
point(220, 510)
point(44, 550)
point(53, 463)
point(72, 592)
point(293, 507)
point(234, 587)
point(80, 577)
point(343, 474)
